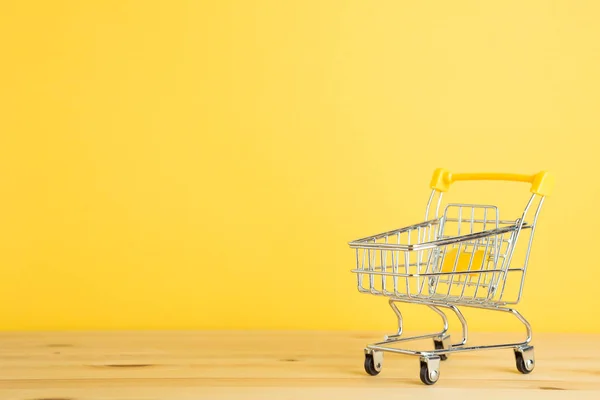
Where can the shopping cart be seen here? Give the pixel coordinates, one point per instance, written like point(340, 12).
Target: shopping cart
point(459, 257)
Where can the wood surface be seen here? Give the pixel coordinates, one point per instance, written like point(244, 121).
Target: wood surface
point(280, 365)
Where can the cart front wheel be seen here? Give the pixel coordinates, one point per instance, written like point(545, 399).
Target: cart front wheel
point(372, 367)
point(430, 370)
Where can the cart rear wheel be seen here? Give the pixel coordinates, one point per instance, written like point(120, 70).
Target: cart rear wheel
point(370, 366)
point(524, 359)
point(428, 377)
point(430, 370)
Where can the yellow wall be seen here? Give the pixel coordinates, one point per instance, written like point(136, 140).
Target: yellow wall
point(171, 164)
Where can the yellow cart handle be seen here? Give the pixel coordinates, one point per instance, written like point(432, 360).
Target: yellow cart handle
point(542, 183)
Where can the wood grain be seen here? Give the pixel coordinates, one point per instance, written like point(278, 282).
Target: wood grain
point(278, 365)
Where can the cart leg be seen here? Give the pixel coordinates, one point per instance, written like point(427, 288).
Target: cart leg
point(399, 315)
point(523, 321)
point(444, 319)
point(463, 322)
point(394, 307)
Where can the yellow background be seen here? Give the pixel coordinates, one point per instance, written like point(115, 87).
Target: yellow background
point(203, 164)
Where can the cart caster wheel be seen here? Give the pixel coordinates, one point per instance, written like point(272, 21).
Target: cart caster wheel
point(430, 370)
point(525, 359)
point(373, 363)
point(441, 343)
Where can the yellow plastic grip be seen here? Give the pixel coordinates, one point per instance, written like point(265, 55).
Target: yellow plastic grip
point(542, 183)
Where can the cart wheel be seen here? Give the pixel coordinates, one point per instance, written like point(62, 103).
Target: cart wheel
point(439, 345)
point(524, 359)
point(430, 370)
point(371, 367)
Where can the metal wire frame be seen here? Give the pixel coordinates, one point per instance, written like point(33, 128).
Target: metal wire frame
point(423, 262)
point(417, 257)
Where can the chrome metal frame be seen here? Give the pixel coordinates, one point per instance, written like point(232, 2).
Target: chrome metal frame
point(402, 263)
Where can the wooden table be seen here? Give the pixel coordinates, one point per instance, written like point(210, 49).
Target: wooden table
point(279, 365)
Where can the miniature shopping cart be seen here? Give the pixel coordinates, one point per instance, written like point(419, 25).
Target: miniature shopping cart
point(460, 256)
